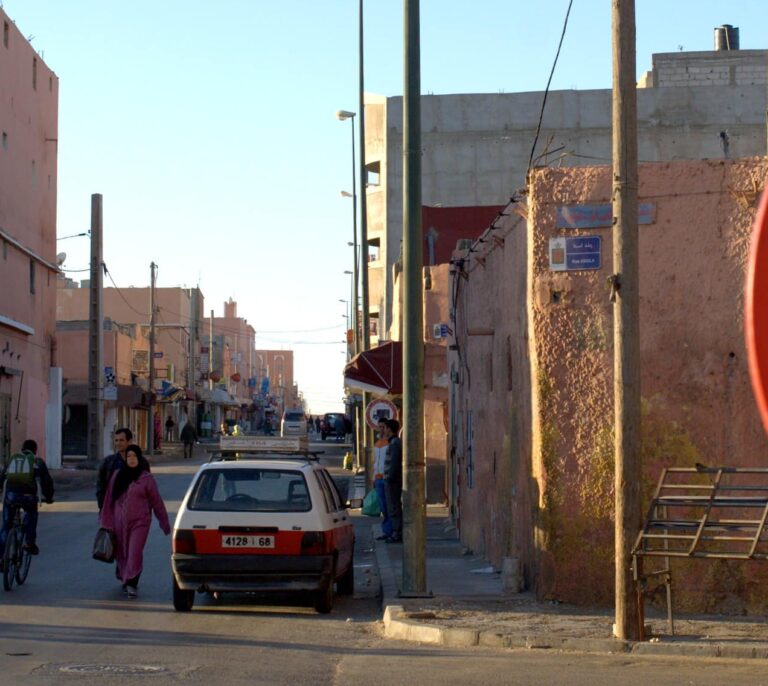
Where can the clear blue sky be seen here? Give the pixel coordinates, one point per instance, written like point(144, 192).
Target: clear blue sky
point(209, 129)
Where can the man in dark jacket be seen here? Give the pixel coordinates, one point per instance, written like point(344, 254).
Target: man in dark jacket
point(24, 494)
point(393, 480)
point(112, 463)
point(188, 438)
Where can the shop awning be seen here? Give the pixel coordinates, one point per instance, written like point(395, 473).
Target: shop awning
point(378, 370)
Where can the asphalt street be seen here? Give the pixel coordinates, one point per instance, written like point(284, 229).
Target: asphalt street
point(70, 623)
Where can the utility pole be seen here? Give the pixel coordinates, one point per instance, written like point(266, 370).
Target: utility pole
point(151, 412)
point(626, 320)
point(210, 351)
point(193, 347)
point(96, 338)
point(367, 432)
point(414, 501)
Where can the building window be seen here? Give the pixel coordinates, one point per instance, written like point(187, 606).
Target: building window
point(374, 249)
point(6, 33)
point(50, 84)
point(5, 141)
point(34, 73)
point(373, 174)
point(32, 276)
point(34, 174)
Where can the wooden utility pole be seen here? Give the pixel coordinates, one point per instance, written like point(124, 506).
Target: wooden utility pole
point(151, 409)
point(96, 338)
point(414, 473)
point(626, 320)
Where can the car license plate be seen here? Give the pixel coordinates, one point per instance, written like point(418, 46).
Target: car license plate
point(237, 541)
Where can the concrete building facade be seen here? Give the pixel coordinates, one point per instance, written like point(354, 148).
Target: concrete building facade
point(476, 147)
point(30, 384)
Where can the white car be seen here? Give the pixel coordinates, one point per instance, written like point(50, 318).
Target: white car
point(293, 423)
point(263, 523)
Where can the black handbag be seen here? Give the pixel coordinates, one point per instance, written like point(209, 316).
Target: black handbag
point(104, 546)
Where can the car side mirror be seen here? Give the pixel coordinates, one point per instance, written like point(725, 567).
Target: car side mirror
point(354, 503)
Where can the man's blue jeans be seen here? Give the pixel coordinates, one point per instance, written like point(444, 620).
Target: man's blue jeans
point(26, 501)
point(386, 525)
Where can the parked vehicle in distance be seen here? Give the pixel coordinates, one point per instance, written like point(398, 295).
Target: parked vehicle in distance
point(293, 423)
point(333, 424)
point(261, 521)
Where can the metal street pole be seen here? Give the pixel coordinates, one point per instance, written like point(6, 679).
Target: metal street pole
point(367, 431)
point(626, 320)
point(96, 337)
point(414, 501)
point(151, 422)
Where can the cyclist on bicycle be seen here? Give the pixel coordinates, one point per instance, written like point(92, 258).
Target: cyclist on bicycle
point(20, 473)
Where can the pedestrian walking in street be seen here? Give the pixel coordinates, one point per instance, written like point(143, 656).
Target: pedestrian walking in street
point(131, 498)
point(317, 425)
point(188, 438)
point(112, 462)
point(379, 462)
point(393, 478)
point(169, 424)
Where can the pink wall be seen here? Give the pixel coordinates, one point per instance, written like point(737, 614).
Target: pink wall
point(541, 465)
point(28, 148)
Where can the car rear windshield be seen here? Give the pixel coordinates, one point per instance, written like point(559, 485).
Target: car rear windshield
point(293, 417)
point(250, 490)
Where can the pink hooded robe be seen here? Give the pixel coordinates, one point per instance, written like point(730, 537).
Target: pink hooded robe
point(130, 518)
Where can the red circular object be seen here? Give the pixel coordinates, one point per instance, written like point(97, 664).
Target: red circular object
point(215, 376)
point(235, 377)
point(756, 310)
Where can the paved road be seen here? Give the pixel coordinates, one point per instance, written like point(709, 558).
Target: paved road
point(71, 624)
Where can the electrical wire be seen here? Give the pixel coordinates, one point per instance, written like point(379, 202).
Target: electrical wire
point(549, 81)
point(120, 293)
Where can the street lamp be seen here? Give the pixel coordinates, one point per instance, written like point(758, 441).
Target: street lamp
point(346, 310)
point(343, 115)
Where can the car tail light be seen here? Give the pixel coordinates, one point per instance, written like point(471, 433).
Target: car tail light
point(313, 543)
point(184, 541)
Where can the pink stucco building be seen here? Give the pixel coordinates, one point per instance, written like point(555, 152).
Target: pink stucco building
point(532, 396)
point(29, 388)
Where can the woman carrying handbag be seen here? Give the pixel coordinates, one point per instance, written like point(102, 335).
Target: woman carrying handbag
point(132, 496)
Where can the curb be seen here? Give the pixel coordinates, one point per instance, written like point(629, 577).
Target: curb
point(405, 626)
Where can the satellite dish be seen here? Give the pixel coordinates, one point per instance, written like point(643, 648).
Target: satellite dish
point(60, 258)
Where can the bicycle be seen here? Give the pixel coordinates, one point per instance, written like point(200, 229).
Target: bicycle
point(16, 559)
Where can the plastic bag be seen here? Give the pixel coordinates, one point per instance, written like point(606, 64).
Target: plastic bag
point(104, 546)
point(371, 506)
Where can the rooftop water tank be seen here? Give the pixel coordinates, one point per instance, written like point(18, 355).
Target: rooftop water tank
point(727, 37)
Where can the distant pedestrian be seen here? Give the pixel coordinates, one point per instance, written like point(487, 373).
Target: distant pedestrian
point(188, 438)
point(317, 425)
point(393, 479)
point(131, 498)
point(169, 424)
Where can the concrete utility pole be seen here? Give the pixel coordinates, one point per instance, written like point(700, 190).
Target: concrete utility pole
point(626, 320)
point(367, 432)
point(151, 412)
point(96, 338)
point(210, 351)
point(414, 501)
point(193, 347)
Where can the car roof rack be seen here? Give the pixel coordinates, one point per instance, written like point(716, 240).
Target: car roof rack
point(240, 455)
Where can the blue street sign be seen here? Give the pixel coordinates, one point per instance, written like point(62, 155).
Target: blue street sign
point(575, 254)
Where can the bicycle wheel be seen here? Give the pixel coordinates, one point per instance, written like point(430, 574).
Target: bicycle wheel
point(24, 558)
point(10, 560)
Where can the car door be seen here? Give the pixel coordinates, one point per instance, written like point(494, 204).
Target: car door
point(341, 525)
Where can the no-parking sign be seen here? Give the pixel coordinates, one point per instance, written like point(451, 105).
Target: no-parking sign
point(379, 409)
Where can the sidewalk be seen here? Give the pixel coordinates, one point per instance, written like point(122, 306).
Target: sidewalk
point(468, 608)
point(72, 477)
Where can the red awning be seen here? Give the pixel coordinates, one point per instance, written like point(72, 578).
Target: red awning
point(378, 370)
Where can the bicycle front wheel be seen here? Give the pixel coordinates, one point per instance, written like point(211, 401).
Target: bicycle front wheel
point(24, 558)
point(10, 560)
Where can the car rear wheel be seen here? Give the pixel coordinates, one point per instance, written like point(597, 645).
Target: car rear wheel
point(182, 600)
point(346, 584)
point(324, 598)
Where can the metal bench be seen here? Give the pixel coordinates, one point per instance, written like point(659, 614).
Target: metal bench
point(701, 512)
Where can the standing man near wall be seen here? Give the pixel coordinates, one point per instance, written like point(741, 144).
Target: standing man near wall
point(393, 479)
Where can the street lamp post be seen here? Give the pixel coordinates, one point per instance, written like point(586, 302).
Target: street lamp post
point(343, 115)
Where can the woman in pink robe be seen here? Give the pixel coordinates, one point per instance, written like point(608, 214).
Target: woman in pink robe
point(131, 498)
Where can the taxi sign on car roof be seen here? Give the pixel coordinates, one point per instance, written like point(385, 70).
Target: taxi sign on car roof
point(276, 444)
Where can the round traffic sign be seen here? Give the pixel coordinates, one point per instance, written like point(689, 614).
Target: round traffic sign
point(379, 409)
point(756, 310)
